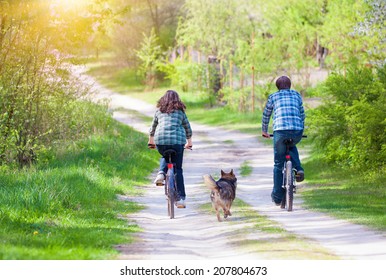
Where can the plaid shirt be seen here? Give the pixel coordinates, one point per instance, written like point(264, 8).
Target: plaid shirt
point(170, 129)
point(288, 111)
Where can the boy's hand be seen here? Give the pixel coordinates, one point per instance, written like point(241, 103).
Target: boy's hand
point(265, 135)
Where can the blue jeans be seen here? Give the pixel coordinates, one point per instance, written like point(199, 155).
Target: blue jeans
point(178, 165)
point(279, 150)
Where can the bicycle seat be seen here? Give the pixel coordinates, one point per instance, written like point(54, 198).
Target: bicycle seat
point(169, 152)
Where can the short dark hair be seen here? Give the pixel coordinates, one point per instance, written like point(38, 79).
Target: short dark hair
point(283, 82)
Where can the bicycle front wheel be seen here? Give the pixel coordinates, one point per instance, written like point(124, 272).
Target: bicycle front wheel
point(289, 188)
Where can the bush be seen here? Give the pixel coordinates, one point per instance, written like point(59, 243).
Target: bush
point(350, 127)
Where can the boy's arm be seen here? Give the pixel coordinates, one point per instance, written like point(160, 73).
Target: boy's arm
point(266, 117)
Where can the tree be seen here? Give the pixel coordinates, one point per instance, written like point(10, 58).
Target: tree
point(342, 42)
point(150, 55)
point(374, 27)
point(143, 16)
point(294, 31)
point(215, 29)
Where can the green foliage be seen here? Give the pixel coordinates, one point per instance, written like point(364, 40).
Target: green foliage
point(351, 126)
point(374, 27)
point(294, 30)
point(342, 42)
point(213, 27)
point(185, 75)
point(149, 55)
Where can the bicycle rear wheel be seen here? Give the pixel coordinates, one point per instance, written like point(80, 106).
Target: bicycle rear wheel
point(289, 189)
point(170, 193)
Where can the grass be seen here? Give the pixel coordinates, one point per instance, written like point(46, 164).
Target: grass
point(267, 238)
point(245, 169)
point(345, 194)
point(67, 207)
point(116, 78)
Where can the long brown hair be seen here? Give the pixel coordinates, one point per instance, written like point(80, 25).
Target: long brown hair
point(170, 102)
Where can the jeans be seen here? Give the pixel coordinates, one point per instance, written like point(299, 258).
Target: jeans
point(279, 150)
point(177, 159)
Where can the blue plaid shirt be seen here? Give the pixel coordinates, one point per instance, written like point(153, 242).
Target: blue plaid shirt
point(288, 111)
point(170, 129)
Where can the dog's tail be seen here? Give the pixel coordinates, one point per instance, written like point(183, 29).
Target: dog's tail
point(210, 182)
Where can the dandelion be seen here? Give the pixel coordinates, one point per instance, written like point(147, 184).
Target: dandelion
point(36, 232)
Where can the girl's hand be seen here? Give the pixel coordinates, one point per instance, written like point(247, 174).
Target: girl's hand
point(189, 144)
point(151, 143)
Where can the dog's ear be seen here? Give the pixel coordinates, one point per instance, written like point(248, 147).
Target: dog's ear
point(222, 172)
point(231, 172)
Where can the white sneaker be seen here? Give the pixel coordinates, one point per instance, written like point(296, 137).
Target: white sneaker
point(159, 180)
point(181, 203)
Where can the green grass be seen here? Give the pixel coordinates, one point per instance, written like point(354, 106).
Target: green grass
point(267, 238)
point(116, 78)
point(245, 169)
point(344, 194)
point(67, 208)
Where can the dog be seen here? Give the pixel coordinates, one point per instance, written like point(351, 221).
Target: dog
point(223, 192)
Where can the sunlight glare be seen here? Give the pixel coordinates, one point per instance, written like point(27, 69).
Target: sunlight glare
point(70, 4)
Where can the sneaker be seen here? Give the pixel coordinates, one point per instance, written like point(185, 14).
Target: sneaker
point(181, 203)
point(299, 176)
point(159, 180)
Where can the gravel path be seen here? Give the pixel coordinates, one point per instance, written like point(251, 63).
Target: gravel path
point(199, 236)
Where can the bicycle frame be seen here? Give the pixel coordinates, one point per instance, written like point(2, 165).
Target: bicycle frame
point(288, 179)
point(170, 183)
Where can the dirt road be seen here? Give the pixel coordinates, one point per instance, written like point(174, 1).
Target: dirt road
point(194, 235)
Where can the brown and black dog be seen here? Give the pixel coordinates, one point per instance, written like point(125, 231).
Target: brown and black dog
point(223, 192)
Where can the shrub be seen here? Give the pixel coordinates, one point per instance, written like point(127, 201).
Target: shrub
point(350, 127)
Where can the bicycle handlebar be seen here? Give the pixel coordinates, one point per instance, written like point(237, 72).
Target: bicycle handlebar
point(153, 146)
point(271, 135)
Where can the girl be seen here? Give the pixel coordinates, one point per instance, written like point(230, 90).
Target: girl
point(171, 129)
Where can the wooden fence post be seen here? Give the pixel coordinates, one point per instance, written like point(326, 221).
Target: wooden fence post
point(231, 74)
point(253, 88)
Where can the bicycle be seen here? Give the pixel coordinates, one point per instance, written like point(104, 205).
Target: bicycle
point(170, 181)
point(289, 177)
